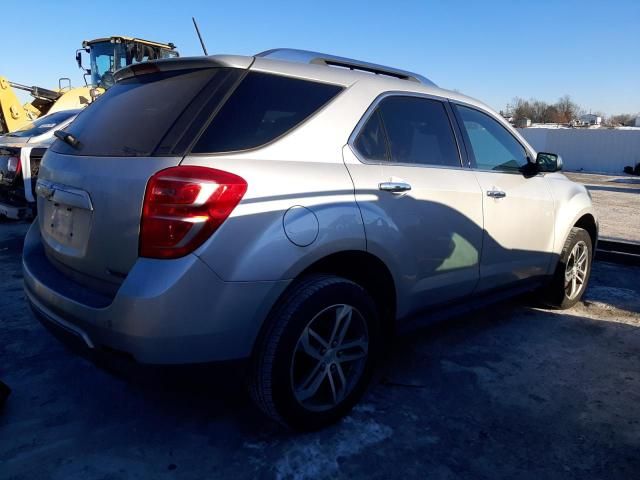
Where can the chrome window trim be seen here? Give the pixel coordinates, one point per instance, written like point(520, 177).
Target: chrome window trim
point(399, 93)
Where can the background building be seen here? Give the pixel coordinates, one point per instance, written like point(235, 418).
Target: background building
point(590, 119)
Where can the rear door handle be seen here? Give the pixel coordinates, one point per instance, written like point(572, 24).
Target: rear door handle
point(394, 187)
point(496, 194)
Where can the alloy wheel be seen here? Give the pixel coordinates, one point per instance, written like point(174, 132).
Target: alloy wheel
point(330, 357)
point(575, 273)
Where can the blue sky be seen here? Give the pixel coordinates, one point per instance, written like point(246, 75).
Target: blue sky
point(492, 50)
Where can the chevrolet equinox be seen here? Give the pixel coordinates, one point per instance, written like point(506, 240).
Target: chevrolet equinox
point(292, 209)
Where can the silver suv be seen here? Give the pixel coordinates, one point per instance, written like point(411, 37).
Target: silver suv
point(293, 209)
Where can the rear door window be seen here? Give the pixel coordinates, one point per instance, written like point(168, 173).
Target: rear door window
point(263, 108)
point(419, 131)
point(134, 115)
point(371, 142)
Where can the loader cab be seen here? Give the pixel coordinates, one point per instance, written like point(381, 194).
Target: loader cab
point(107, 55)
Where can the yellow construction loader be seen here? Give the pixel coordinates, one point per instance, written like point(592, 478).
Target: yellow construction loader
point(106, 55)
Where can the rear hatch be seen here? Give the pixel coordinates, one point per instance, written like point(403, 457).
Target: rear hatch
point(90, 194)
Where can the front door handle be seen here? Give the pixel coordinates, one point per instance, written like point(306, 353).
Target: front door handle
point(394, 187)
point(496, 194)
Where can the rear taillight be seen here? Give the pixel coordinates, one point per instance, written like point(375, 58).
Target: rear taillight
point(183, 206)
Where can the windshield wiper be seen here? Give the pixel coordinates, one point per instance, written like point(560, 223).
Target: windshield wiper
point(67, 138)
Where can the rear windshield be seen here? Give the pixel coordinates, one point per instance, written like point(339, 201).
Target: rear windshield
point(43, 124)
point(263, 108)
point(133, 116)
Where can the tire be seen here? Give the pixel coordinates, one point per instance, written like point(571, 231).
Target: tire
point(557, 293)
point(294, 355)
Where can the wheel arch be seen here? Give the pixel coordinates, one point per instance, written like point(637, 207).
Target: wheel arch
point(588, 223)
point(574, 208)
point(361, 267)
point(368, 271)
point(584, 219)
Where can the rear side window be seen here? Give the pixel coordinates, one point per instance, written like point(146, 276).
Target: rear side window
point(419, 131)
point(261, 109)
point(134, 115)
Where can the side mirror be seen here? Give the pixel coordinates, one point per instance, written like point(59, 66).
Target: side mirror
point(79, 60)
point(548, 162)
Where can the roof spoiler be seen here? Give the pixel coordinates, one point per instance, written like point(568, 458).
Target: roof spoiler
point(305, 56)
point(183, 63)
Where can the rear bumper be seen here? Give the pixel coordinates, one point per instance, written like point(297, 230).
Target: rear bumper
point(15, 212)
point(165, 311)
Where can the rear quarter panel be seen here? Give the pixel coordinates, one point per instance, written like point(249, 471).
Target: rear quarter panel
point(251, 245)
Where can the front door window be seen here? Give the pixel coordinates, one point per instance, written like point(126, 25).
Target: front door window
point(493, 147)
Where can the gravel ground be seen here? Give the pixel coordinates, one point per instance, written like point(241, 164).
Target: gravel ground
point(617, 201)
point(508, 392)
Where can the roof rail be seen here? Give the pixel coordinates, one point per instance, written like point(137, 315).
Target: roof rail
point(305, 56)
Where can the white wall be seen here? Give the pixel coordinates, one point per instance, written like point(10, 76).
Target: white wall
point(602, 151)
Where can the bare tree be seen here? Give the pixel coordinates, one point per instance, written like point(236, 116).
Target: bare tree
point(551, 114)
point(565, 110)
point(568, 110)
point(538, 109)
point(625, 119)
point(521, 109)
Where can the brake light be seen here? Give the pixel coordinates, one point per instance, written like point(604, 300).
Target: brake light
point(183, 206)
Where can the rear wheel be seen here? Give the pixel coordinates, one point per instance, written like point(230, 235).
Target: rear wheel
point(572, 273)
point(315, 358)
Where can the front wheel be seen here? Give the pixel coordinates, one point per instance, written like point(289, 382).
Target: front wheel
point(570, 279)
point(314, 361)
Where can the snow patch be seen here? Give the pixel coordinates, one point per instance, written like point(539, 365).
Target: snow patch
point(255, 446)
point(622, 300)
point(364, 408)
point(315, 458)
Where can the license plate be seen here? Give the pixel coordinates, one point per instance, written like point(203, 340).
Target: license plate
point(61, 223)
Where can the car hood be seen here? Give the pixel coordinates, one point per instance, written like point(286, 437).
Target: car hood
point(13, 142)
point(35, 142)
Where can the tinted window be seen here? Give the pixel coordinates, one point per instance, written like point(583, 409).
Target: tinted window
point(261, 109)
point(371, 142)
point(43, 124)
point(494, 148)
point(419, 131)
point(133, 116)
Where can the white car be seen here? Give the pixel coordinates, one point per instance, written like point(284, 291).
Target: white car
point(20, 154)
point(41, 130)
